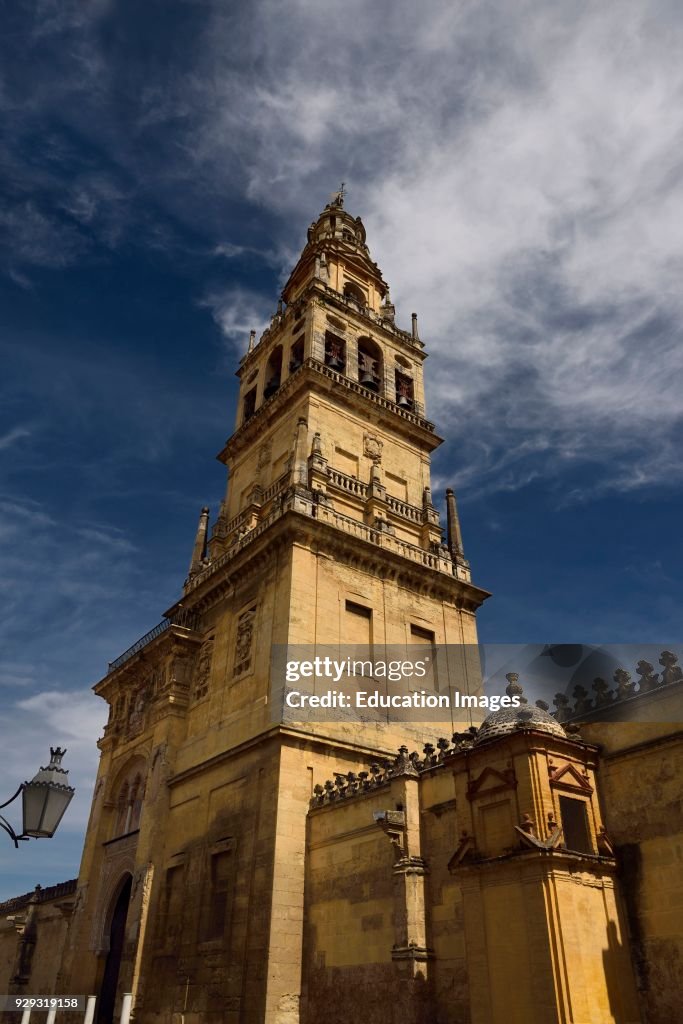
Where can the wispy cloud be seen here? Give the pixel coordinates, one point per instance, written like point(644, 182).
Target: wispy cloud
point(520, 175)
point(68, 718)
point(10, 438)
point(237, 311)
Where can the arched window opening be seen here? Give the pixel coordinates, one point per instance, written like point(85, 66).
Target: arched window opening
point(249, 405)
point(356, 293)
point(122, 811)
point(273, 372)
point(335, 352)
point(404, 391)
point(369, 364)
point(296, 355)
point(129, 805)
point(135, 807)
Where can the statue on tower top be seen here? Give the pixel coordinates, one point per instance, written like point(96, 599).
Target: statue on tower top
point(337, 198)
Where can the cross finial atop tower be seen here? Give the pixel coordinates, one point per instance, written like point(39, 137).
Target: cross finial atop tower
point(337, 198)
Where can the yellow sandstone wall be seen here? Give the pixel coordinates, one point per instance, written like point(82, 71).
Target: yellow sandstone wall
point(641, 777)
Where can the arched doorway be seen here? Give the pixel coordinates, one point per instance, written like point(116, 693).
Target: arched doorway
point(117, 931)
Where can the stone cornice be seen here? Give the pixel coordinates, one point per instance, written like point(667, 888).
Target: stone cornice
point(173, 638)
point(378, 559)
point(286, 734)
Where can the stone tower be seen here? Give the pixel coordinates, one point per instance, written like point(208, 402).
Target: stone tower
point(191, 891)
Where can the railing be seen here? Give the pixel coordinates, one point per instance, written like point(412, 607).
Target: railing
point(325, 514)
point(186, 620)
point(278, 485)
point(416, 554)
point(403, 509)
point(234, 549)
point(356, 487)
point(235, 523)
point(348, 525)
point(384, 540)
point(347, 483)
point(223, 530)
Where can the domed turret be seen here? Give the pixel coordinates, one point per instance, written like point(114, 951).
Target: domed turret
point(336, 254)
point(335, 223)
point(509, 720)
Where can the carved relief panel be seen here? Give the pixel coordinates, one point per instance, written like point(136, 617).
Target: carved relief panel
point(244, 641)
point(202, 671)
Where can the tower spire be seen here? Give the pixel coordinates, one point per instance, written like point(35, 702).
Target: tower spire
point(200, 542)
point(454, 532)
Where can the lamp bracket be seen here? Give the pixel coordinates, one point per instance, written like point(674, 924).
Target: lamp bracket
point(10, 831)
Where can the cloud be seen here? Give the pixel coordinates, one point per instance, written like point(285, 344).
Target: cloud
point(517, 167)
point(519, 173)
point(229, 250)
point(237, 311)
point(70, 718)
point(67, 718)
point(40, 239)
point(9, 439)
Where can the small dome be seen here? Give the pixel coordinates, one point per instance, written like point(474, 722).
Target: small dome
point(509, 720)
point(335, 223)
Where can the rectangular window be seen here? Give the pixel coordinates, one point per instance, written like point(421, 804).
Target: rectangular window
point(575, 825)
point(420, 635)
point(358, 624)
point(171, 916)
point(217, 911)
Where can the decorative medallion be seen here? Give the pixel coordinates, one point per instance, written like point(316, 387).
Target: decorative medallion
point(264, 454)
point(372, 448)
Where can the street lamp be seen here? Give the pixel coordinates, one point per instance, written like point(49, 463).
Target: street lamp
point(45, 799)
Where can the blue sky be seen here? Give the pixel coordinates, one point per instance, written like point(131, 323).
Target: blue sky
point(518, 169)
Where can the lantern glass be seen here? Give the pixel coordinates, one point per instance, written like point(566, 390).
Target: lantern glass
point(45, 798)
point(44, 807)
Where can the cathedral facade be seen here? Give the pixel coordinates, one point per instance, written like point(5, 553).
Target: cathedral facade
point(243, 867)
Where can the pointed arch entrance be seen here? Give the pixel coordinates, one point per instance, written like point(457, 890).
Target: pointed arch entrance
point(112, 967)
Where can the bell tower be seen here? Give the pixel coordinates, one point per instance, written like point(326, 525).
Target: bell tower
point(328, 535)
point(332, 408)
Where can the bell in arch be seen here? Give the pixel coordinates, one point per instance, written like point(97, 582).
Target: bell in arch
point(271, 387)
point(333, 356)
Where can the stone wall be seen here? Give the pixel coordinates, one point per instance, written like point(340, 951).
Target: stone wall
point(32, 935)
point(641, 779)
